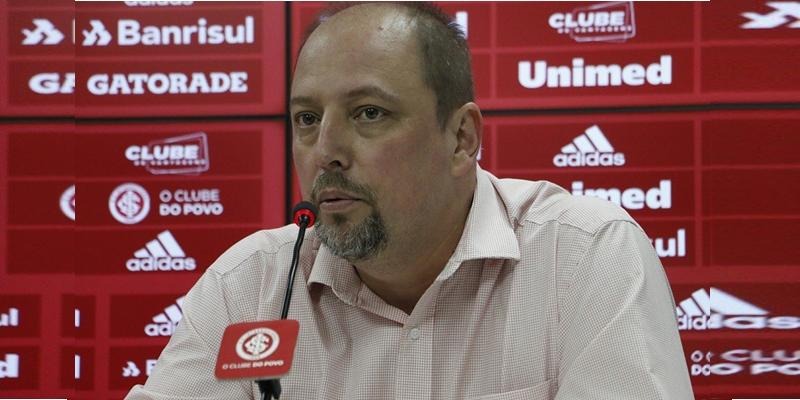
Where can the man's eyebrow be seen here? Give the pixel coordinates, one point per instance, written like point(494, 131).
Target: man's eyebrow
point(363, 91)
point(371, 90)
point(295, 100)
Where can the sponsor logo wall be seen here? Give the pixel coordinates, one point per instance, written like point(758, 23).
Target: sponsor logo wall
point(179, 151)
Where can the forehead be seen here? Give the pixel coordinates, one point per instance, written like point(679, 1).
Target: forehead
point(370, 44)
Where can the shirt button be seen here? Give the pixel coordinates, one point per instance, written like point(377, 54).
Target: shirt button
point(415, 334)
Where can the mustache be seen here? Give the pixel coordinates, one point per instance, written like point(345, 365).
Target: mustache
point(337, 180)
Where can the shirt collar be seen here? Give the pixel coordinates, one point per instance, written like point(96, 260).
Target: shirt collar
point(488, 234)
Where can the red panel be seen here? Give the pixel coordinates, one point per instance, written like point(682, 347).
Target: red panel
point(538, 144)
point(669, 70)
point(733, 69)
point(77, 368)
point(27, 247)
point(117, 255)
point(19, 366)
point(78, 316)
point(145, 316)
point(571, 23)
point(222, 32)
point(45, 151)
point(755, 192)
point(178, 202)
point(231, 150)
point(37, 203)
point(752, 242)
point(747, 20)
point(20, 316)
point(131, 365)
point(756, 141)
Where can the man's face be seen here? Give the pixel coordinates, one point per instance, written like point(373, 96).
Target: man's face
point(367, 145)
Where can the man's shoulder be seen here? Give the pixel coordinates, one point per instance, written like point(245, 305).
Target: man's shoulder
point(543, 202)
point(266, 242)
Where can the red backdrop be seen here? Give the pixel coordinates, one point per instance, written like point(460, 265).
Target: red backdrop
point(685, 114)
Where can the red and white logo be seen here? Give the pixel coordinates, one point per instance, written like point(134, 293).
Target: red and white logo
point(161, 254)
point(98, 36)
point(180, 155)
point(67, 202)
point(581, 74)
point(52, 83)
point(784, 12)
point(262, 349)
point(257, 344)
point(129, 203)
point(44, 33)
point(605, 22)
point(164, 323)
point(590, 149)
point(656, 198)
point(717, 309)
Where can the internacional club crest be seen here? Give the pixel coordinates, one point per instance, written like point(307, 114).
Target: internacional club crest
point(129, 203)
point(257, 344)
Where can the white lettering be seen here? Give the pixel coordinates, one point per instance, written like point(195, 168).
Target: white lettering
point(655, 198)
point(52, 83)
point(588, 75)
point(172, 83)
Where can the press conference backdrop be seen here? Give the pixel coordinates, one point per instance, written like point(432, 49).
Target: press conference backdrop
point(685, 114)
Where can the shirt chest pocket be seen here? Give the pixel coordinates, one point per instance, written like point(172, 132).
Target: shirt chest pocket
point(540, 391)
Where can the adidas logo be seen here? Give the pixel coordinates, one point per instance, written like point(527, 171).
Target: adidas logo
point(590, 149)
point(716, 309)
point(164, 323)
point(161, 254)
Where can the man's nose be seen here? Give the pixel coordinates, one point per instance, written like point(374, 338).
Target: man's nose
point(334, 143)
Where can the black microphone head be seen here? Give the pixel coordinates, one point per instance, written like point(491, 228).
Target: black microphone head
point(304, 208)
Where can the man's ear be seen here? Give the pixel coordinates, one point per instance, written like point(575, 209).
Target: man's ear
point(466, 124)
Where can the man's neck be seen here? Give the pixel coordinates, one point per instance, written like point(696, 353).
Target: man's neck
point(400, 275)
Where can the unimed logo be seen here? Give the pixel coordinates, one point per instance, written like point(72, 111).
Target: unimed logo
point(656, 198)
point(713, 308)
point(582, 74)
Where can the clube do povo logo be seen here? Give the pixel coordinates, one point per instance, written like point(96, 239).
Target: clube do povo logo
point(129, 203)
point(257, 344)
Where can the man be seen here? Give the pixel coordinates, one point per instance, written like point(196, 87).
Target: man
point(426, 277)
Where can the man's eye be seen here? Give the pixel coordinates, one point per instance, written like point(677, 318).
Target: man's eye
point(370, 113)
point(305, 119)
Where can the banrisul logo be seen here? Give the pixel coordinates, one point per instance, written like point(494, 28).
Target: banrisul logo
point(713, 308)
point(161, 254)
point(782, 14)
point(589, 149)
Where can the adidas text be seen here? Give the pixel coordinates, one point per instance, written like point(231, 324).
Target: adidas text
point(582, 75)
point(161, 264)
point(589, 160)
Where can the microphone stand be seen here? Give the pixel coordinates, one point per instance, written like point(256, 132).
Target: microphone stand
point(271, 388)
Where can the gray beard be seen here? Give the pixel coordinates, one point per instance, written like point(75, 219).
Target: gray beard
point(360, 242)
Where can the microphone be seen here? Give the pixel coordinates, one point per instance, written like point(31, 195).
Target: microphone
point(266, 348)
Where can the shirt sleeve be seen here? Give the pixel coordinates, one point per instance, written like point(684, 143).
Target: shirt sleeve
point(186, 366)
point(619, 332)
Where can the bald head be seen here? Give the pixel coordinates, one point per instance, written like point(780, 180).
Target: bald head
point(442, 62)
